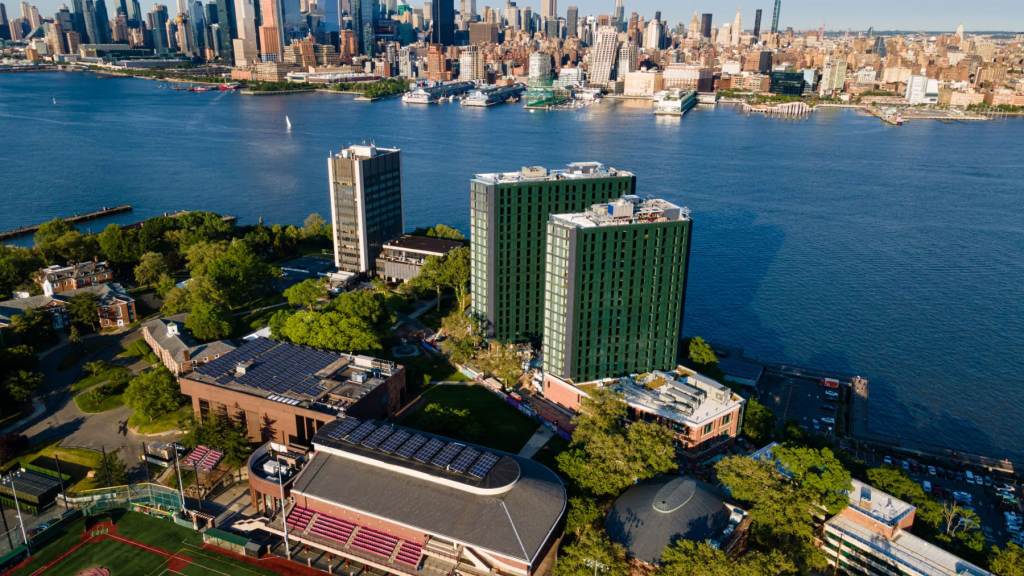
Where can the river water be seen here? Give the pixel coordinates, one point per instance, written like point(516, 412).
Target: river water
point(838, 242)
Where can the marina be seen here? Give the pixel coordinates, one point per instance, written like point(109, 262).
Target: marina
point(491, 95)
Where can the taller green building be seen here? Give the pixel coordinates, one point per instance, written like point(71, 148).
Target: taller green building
point(508, 218)
point(615, 288)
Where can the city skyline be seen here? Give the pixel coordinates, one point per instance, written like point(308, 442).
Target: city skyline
point(992, 15)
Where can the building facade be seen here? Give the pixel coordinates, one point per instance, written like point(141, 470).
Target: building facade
point(56, 279)
point(508, 227)
point(615, 287)
point(174, 345)
point(366, 204)
point(401, 259)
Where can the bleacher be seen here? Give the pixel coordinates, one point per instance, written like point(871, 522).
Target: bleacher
point(367, 539)
point(205, 458)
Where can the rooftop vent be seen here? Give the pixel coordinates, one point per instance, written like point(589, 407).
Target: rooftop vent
point(243, 367)
point(534, 172)
point(359, 377)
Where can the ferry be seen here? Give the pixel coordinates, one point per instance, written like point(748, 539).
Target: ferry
point(231, 86)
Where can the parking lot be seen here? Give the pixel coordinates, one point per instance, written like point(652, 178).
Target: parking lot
point(800, 400)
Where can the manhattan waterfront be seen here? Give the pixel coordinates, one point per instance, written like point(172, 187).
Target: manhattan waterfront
point(836, 241)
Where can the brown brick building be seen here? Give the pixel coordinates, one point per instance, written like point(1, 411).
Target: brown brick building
point(56, 279)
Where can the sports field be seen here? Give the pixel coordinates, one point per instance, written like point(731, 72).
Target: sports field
point(136, 545)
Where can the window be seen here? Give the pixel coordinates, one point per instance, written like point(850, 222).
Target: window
point(206, 359)
point(726, 419)
point(707, 428)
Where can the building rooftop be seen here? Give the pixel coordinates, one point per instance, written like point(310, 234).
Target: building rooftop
point(511, 510)
point(541, 174)
point(423, 244)
point(296, 375)
point(364, 152)
point(58, 273)
point(171, 335)
point(908, 550)
point(878, 505)
point(625, 211)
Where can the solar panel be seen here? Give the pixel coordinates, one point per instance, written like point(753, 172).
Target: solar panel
point(466, 457)
point(361, 432)
point(428, 451)
point(347, 425)
point(378, 436)
point(411, 446)
point(394, 441)
point(447, 455)
point(483, 465)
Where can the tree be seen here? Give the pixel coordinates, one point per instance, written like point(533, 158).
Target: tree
point(700, 352)
point(456, 275)
point(239, 272)
point(17, 358)
point(11, 445)
point(164, 285)
point(431, 277)
point(1007, 562)
point(448, 421)
point(114, 471)
point(314, 226)
point(20, 385)
point(74, 336)
point(210, 321)
point(95, 367)
point(759, 423)
point(364, 305)
point(17, 266)
point(896, 482)
point(605, 457)
point(689, 558)
point(153, 393)
point(34, 328)
point(151, 268)
point(219, 431)
point(502, 361)
point(818, 471)
point(306, 293)
point(592, 546)
point(330, 330)
point(84, 309)
point(49, 232)
point(464, 336)
point(121, 247)
point(199, 256)
point(584, 514)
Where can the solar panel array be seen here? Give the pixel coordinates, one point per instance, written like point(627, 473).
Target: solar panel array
point(278, 367)
point(450, 456)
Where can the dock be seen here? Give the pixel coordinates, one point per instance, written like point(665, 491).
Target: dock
point(28, 230)
point(136, 225)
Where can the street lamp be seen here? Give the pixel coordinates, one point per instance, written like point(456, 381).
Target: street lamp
point(9, 481)
point(597, 565)
point(284, 521)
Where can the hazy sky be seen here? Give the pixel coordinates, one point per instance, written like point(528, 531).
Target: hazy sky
point(800, 14)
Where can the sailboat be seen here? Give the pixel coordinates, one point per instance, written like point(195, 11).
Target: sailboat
point(288, 122)
point(54, 101)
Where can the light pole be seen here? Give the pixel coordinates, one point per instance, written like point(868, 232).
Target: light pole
point(181, 489)
point(9, 480)
point(597, 565)
point(284, 521)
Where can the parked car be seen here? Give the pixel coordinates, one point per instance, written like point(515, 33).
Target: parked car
point(988, 480)
point(914, 467)
point(1006, 487)
point(927, 487)
point(829, 407)
point(828, 420)
point(815, 423)
point(979, 480)
point(931, 470)
point(832, 394)
point(962, 497)
point(970, 477)
point(959, 476)
point(906, 465)
point(940, 471)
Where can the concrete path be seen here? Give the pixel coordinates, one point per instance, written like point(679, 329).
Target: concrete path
point(536, 442)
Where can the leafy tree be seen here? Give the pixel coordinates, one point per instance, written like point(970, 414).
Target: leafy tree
point(365, 305)
point(209, 321)
point(896, 482)
point(74, 336)
point(431, 277)
point(11, 445)
point(218, 431)
point(689, 558)
point(199, 256)
point(153, 393)
point(151, 269)
point(121, 247)
point(700, 352)
point(445, 231)
point(20, 385)
point(16, 358)
point(84, 309)
point(306, 293)
point(239, 273)
point(176, 301)
point(34, 328)
point(17, 266)
point(818, 471)
point(592, 545)
point(164, 284)
point(58, 241)
point(502, 361)
point(759, 423)
point(456, 264)
point(330, 330)
point(464, 336)
point(1007, 562)
point(114, 471)
point(448, 421)
point(605, 457)
point(95, 367)
point(50, 232)
point(584, 514)
point(314, 226)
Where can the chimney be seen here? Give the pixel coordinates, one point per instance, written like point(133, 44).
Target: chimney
point(186, 355)
point(96, 259)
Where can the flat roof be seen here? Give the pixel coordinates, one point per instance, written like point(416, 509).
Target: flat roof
point(908, 550)
point(627, 210)
point(540, 174)
point(425, 244)
point(29, 482)
point(685, 397)
point(876, 504)
point(515, 520)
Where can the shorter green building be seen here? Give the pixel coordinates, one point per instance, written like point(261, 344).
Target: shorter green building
point(615, 288)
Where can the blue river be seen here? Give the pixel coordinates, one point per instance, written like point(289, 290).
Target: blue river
point(837, 242)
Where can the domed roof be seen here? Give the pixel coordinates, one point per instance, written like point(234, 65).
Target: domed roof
point(654, 514)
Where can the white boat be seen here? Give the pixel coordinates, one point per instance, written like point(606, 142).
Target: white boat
point(54, 101)
point(288, 122)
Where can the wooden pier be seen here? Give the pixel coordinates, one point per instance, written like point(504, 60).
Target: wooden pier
point(27, 230)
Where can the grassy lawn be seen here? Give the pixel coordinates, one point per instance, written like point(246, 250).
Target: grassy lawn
point(101, 399)
point(74, 461)
point(547, 454)
point(90, 381)
point(77, 354)
point(417, 366)
point(139, 349)
point(165, 423)
point(118, 557)
point(504, 427)
point(432, 318)
point(245, 325)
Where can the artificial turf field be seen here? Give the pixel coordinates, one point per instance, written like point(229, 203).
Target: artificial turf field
point(136, 545)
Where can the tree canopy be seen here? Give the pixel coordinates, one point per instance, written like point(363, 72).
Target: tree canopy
point(592, 546)
point(1007, 562)
point(84, 309)
point(689, 558)
point(151, 268)
point(759, 423)
point(306, 293)
point(218, 431)
point(153, 393)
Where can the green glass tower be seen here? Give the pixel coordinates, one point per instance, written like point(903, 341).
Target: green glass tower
point(508, 219)
point(615, 289)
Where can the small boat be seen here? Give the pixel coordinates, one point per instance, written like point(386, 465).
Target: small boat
point(200, 88)
point(54, 101)
point(231, 86)
point(899, 119)
point(288, 122)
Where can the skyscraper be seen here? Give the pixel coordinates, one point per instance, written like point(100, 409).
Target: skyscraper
point(161, 44)
point(329, 29)
point(571, 18)
point(366, 204)
point(5, 30)
point(271, 31)
point(102, 22)
point(775, 17)
point(508, 220)
point(226, 29)
point(615, 288)
point(619, 15)
point(705, 26)
point(757, 26)
point(737, 29)
point(443, 25)
point(606, 46)
point(135, 14)
point(363, 16)
point(243, 46)
point(549, 9)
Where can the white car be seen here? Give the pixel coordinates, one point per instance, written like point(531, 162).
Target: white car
point(931, 470)
point(906, 465)
point(979, 480)
point(963, 497)
point(1006, 488)
point(827, 420)
point(831, 394)
point(888, 459)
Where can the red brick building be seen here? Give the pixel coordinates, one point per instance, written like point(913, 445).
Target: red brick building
point(56, 279)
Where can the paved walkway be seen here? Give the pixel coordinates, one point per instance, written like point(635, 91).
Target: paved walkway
point(536, 442)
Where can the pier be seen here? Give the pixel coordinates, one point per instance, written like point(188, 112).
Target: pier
point(27, 230)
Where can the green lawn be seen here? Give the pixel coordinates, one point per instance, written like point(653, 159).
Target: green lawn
point(90, 381)
point(165, 423)
point(416, 367)
point(139, 349)
point(74, 461)
point(101, 399)
point(77, 354)
point(504, 427)
point(115, 556)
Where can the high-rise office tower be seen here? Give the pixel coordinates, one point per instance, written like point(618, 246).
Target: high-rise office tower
point(55, 38)
point(775, 17)
point(571, 19)
point(5, 29)
point(135, 15)
point(652, 37)
point(366, 204)
point(271, 31)
point(549, 9)
point(243, 46)
point(737, 29)
point(508, 227)
point(78, 13)
point(705, 26)
point(161, 43)
point(197, 18)
point(226, 29)
point(102, 22)
point(606, 47)
point(527, 20)
point(91, 30)
point(694, 31)
point(619, 15)
point(442, 29)
point(64, 17)
point(615, 288)
point(757, 26)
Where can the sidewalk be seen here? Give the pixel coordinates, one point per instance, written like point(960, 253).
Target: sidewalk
point(37, 408)
point(536, 442)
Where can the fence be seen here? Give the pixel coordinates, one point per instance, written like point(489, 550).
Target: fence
point(132, 496)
